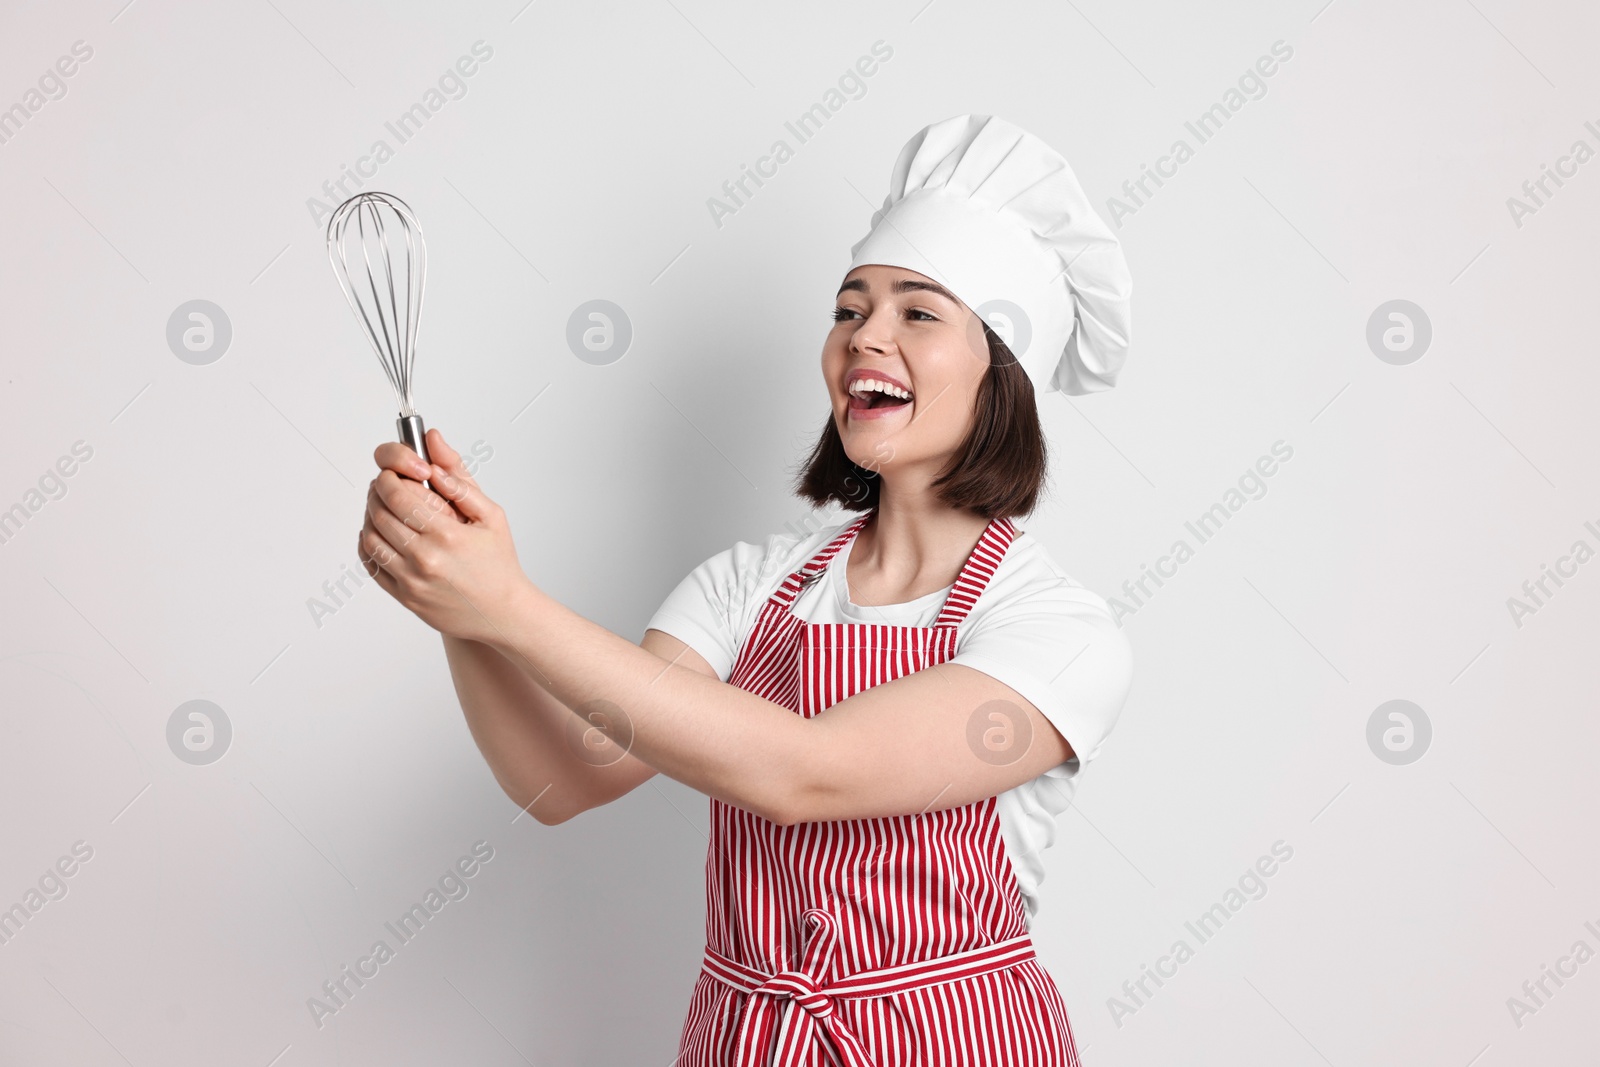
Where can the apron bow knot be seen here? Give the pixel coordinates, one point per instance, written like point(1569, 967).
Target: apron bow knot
point(767, 1023)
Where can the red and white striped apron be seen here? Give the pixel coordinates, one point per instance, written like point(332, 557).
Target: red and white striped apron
point(866, 942)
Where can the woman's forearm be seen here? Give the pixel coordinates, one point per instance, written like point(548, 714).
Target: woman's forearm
point(715, 737)
point(545, 759)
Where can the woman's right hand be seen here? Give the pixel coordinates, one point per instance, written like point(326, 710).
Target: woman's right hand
point(398, 457)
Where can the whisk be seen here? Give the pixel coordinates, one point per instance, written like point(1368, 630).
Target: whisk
point(375, 247)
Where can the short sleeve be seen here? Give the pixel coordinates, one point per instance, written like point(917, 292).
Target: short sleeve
point(1059, 645)
point(714, 607)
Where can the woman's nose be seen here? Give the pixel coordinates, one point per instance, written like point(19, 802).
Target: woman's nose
point(872, 335)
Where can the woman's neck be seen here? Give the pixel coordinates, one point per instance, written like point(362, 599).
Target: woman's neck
point(909, 549)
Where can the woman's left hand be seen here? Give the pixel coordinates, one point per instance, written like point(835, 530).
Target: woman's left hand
point(454, 567)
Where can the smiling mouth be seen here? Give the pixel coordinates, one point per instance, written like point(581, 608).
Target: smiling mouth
point(871, 394)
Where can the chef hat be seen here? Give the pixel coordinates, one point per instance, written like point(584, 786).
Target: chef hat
point(996, 216)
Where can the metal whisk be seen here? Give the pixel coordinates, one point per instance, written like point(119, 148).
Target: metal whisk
point(375, 247)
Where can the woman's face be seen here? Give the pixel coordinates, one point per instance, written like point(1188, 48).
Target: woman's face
point(895, 326)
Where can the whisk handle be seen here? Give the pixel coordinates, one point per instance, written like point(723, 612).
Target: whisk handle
point(415, 436)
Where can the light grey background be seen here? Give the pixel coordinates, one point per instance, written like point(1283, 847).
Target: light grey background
point(1376, 166)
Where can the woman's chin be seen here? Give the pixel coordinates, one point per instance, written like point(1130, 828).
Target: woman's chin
point(871, 451)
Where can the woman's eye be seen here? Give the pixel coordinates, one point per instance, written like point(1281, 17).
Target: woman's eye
point(841, 314)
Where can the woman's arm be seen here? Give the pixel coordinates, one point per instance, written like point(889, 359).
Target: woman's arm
point(897, 748)
point(526, 736)
point(550, 762)
point(939, 738)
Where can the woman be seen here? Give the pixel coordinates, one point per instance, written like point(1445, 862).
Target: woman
point(887, 714)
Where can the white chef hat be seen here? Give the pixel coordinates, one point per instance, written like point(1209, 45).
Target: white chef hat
point(996, 216)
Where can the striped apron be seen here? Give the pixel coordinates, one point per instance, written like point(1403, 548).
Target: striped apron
point(866, 942)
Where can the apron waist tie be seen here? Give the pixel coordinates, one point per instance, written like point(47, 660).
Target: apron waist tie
point(779, 1036)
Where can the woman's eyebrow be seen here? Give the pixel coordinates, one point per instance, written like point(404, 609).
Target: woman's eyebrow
point(904, 285)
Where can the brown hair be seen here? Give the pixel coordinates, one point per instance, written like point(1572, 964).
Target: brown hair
point(998, 471)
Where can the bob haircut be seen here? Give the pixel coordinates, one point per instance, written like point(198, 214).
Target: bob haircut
point(997, 472)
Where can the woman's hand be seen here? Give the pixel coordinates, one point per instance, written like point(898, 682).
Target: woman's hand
point(455, 567)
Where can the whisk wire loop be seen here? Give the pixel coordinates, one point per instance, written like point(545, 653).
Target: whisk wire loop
point(386, 298)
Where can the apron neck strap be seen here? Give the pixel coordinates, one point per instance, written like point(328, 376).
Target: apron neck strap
point(976, 572)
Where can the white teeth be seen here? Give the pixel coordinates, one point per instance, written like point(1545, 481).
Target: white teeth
point(863, 386)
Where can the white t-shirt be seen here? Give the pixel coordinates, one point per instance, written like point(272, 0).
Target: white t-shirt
point(1033, 628)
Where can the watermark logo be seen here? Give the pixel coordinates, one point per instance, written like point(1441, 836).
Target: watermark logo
point(199, 332)
point(1252, 485)
point(600, 733)
point(1251, 885)
point(1566, 967)
point(1010, 322)
point(52, 485)
point(52, 886)
point(1250, 86)
point(1399, 332)
point(599, 332)
point(450, 85)
point(1399, 732)
point(999, 732)
point(452, 885)
point(1566, 167)
point(338, 591)
point(737, 191)
point(52, 86)
point(199, 732)
point(1566, 567)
